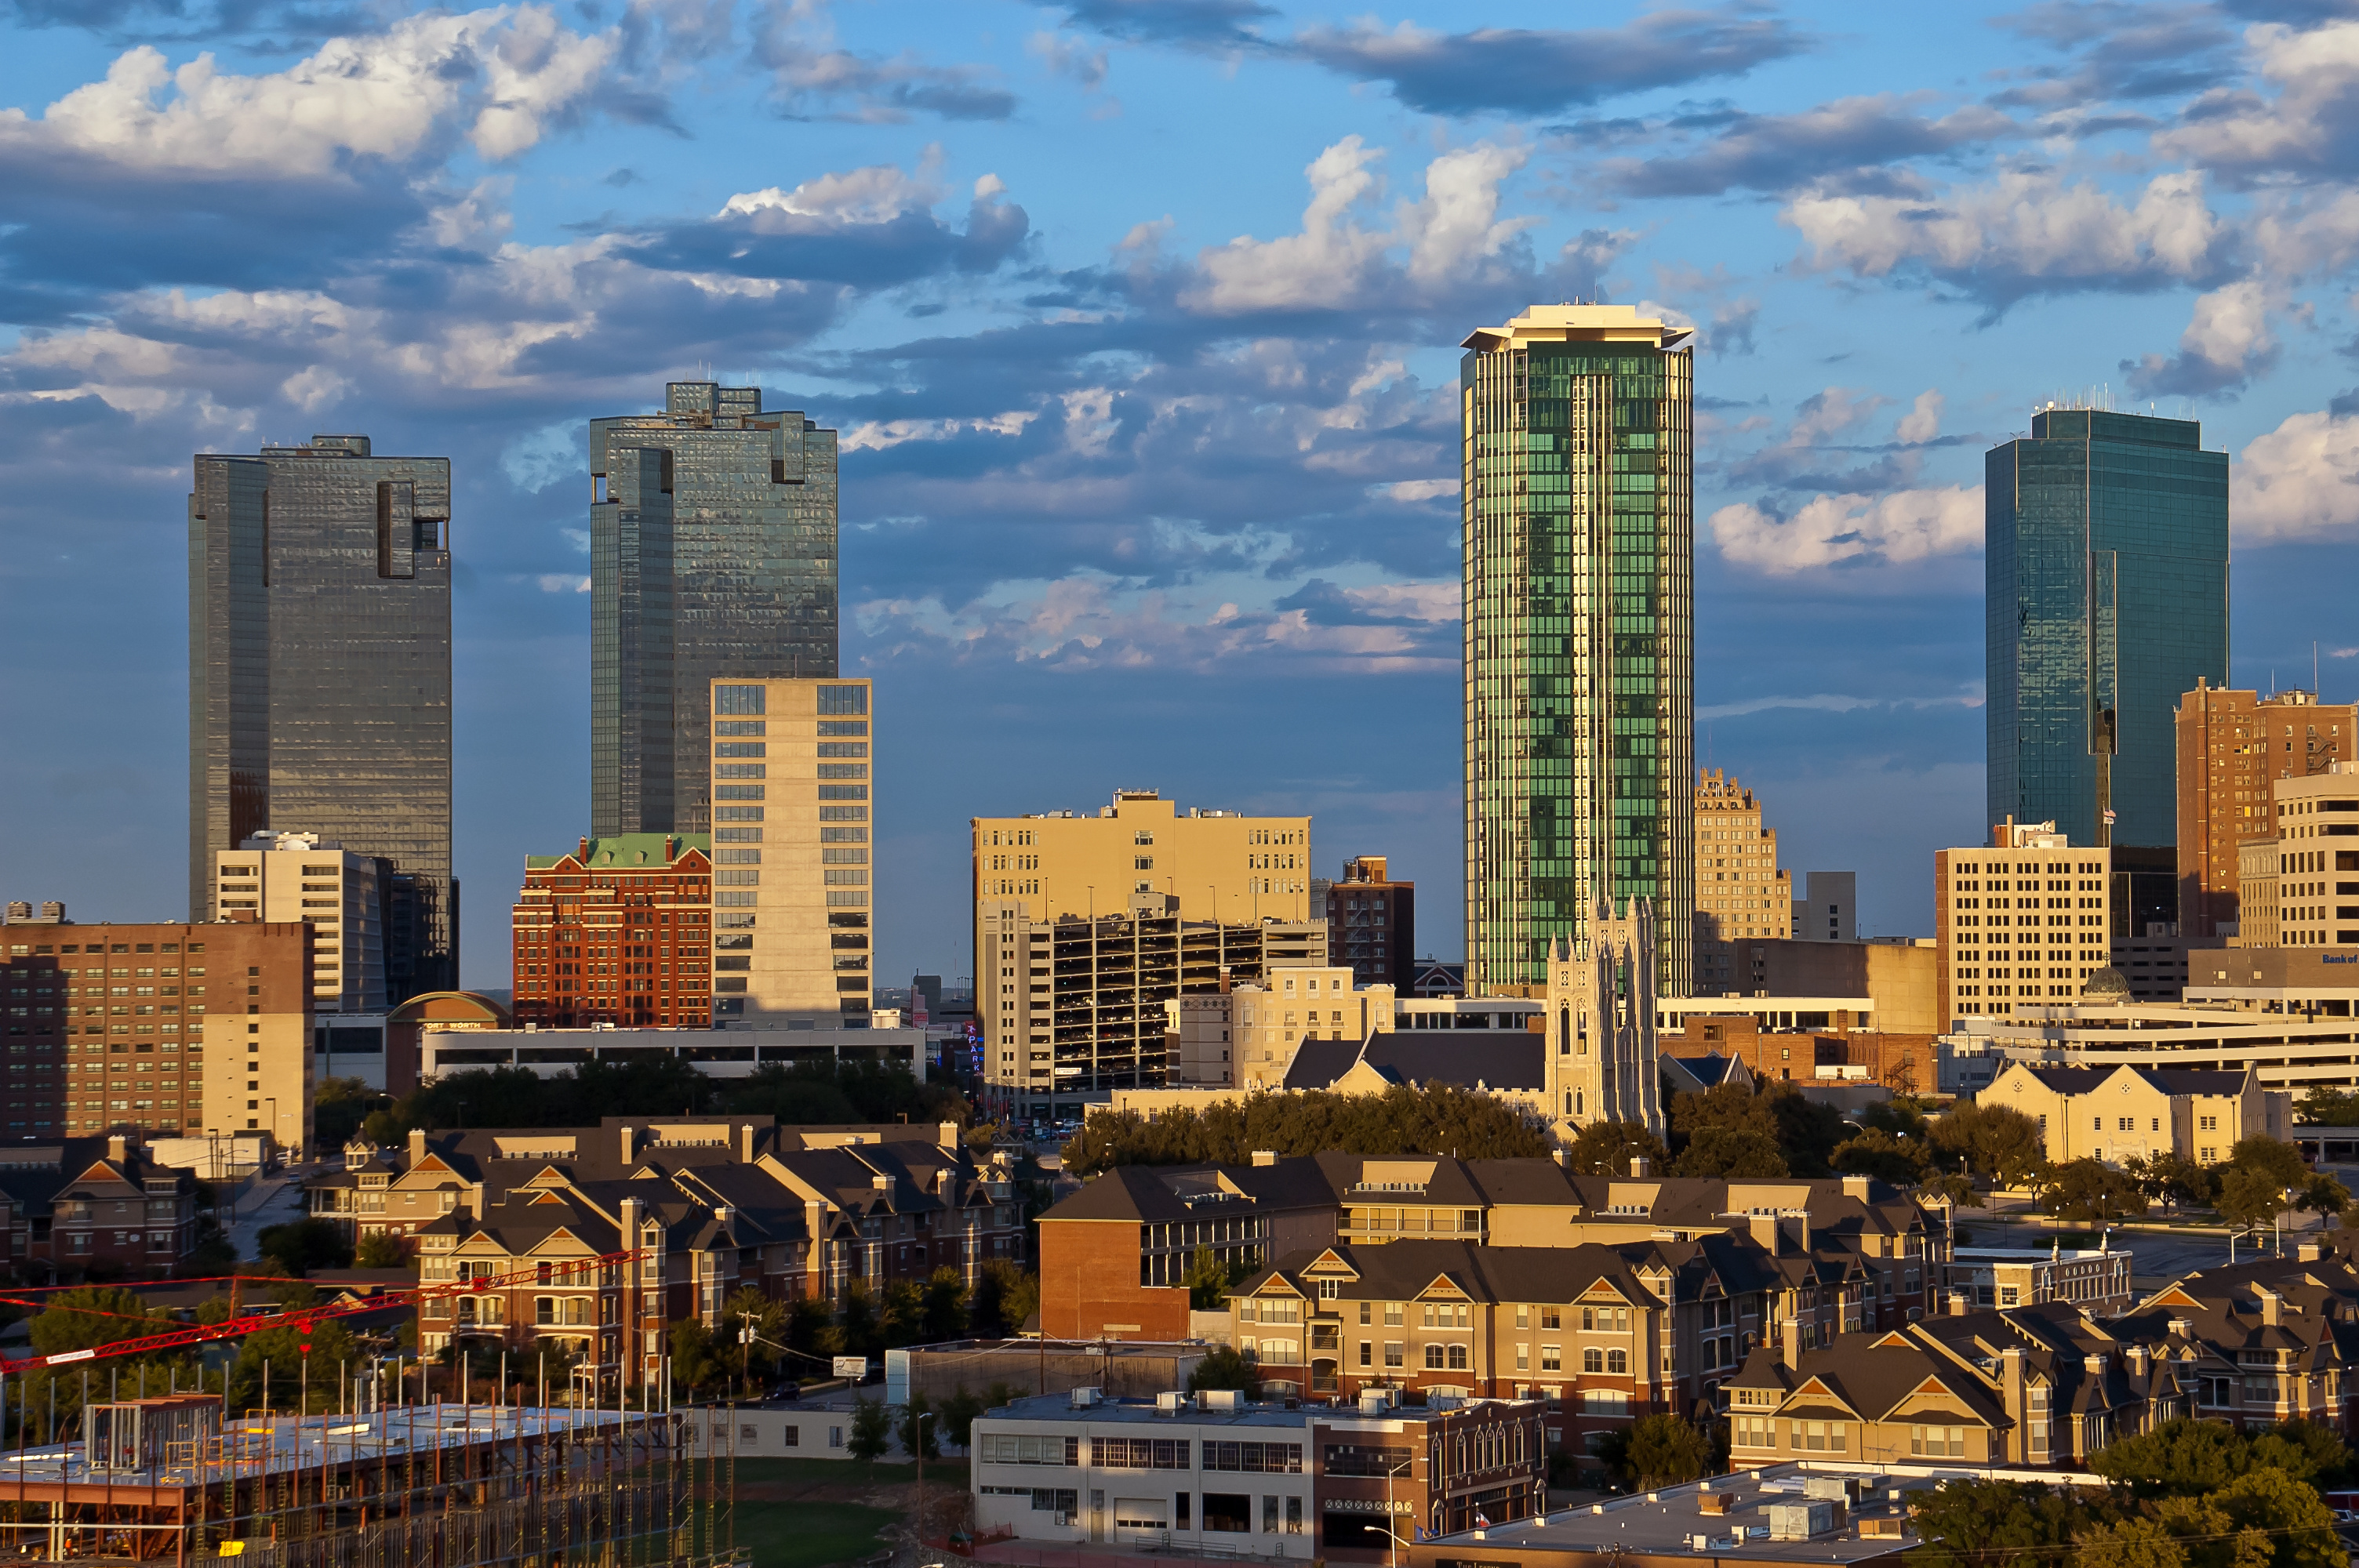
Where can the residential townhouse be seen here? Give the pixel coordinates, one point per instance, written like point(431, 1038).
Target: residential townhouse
point(1599, 1333)
point(739, 1201)
point(2259, 1343)
point(94, 1208)
point(1114, 1254)
point(2039, 1386)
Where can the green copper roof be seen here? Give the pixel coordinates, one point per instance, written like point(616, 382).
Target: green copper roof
point(626, 851)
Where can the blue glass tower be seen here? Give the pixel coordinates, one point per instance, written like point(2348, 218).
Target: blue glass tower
point(2106, 571)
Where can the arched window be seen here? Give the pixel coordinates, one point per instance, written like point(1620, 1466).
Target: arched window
point(1592, 1360)
point(1433, 1357)
point(1458, 1357)
point(1617, 1361)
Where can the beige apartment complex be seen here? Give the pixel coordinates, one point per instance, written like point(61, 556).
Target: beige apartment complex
point(2022, 922)
point(2315, 884)
point(302, 877)
point(2233, 747)
point(1271, 1019)
point(792, 794)
point(1741, 893)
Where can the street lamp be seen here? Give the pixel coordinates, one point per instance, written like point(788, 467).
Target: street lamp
point(1386, 1532)
point(917, 1432)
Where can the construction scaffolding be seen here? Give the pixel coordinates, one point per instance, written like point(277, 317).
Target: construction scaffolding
point(409, 1485)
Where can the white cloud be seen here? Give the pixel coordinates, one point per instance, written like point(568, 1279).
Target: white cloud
point(1923, 420)
point(876, 194)
point(1417, 490)
point(1833, 530)
point(2025, 231)
point(1336, 258)
point(1830, 413)
point(2227, 343)
point(501, 77)
point(2306, 126)
point(562, 582)
point(881, 435)
point(538, 459)
point(2298, 482)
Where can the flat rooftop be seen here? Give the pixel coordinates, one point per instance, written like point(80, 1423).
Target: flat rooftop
point(1145, 1413)
point(1669, 1521)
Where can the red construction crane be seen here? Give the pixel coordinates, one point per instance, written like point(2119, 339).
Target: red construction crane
point(556, 1272)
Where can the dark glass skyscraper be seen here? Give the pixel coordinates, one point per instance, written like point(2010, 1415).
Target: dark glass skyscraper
point(1578, 563)
point(2106, 566)
point(319, 676)
point(712, 553)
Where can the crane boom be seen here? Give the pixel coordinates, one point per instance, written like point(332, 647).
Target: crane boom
point(550, 1272)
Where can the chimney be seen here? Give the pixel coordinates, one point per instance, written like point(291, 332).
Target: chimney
point(630, 1143)
point(629, 1222)
point(1224, 979)
point(2094, 1363)
point(118, 1148)
point(2136, 1354)
point(582, 854)
point(946, 1133)
point(1959, 1301)
point(2010, 1393)
point(1764, 1229)
point(2311, 1251)
point(1790, 1343)
point(2272, 1305)
point(1641, 1167)
point(1855, 1187)
point(2182, 1328)
point(745, 1142)
point(1264, 1156)
point(417, 1146)
point(1798, 1224)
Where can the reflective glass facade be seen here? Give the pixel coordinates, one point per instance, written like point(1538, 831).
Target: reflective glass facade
point(1577, 554)
point(711, 555)
point(319, 676)
point(2106, 568)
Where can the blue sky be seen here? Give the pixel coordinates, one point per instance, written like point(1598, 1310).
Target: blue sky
point(1139, 319)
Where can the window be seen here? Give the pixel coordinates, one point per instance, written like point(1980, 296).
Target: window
point(739, 700)
point(1368, 1350)
point(1392, 1315)
point(1392, 1353)
point(1228, 1513)
point(1551, 1317)
point(1937, 1442)
point(840, 701)
point(1617, 1361)
point(1592, 1359)
point(1821, 1436)
point(1552, 1358)
point(1253, 1458)
point(1433, 1358)
point(1018, 1450)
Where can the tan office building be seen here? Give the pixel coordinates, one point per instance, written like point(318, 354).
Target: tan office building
point(2256, 896)
point(2121, 1113)
point(792, 797)
point(302, 877)
point(1218, 865)
point(2233, 746)
point(2023, 921)
point(1741, 893)
point(2317, 887)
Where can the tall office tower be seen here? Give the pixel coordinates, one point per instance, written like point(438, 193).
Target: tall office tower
point(1742, 895)
point(2022, 923)
point(1579, 554)
point(711, 555)
point(791, 793)
point(2105, 565)
point(2233, 745)
point(319, 676)
point(620, 932)
point(302, 877)
point(1372, 923)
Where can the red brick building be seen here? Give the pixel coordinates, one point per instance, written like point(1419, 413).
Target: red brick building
point(1903, 1063)
point(1372, 925)
point(618, 932)
point(95, 1208)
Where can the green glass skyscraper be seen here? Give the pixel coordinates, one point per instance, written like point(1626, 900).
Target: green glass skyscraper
point(1578, 547)
point(712, 553)
point(2106, 560)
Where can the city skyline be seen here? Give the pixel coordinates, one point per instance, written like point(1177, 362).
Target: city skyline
point(1129, 443)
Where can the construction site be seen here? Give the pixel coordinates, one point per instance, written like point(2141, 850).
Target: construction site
point(411, 1486)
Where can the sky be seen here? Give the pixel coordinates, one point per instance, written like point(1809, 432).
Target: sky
point(1139, 320)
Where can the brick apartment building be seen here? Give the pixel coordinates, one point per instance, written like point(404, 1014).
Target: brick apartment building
point(93, 1208)
point(620, 932)
point(1904, 1063)
point(1371, 924)
point(1112, 1256)
point(169, 1029)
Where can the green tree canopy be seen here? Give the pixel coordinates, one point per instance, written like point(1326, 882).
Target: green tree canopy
point(303, 1245)
point(2273, 1157)
point(1225, 1368)
point(1606, 1149)
point(2251, 1196)
point(381, 1249)
point(1436, 1119)
point(1997, 1141)
point(2024, 1523)
point(872, 1431)
point(2089, 1191)
point(1738, 1151)
point(1665, 1451)
point(1886, 1156)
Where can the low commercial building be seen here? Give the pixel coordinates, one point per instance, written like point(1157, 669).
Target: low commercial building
point(1896, 977)
point(2290, 1052)
point(2095, 1280)
point(1905, 1063)
point(734, 1052)
point(2122, 1113)
point(2023, 922)
point(1215, 1474)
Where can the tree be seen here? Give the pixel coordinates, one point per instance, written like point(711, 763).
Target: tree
point(2251, 1196)
point(693, 1363)
point(856, 1320)
point(1000, 1289)
point(2089, 1191)
point(2323, 1107)
point(944, 1311)
point(1728, 1106)
point(811, 1327)
point(872, 1431)
point(2323, 1195)
point(2181, 1456)
point(921, 1428)
point(1436, 1119)
point(1738, 1151)
point(1996, 1141)
point(2136, 1543)
point(1887, 1157)
point(957, 1419)
point(2168, 1178)
point(381, 1249)
point(339, 1108)
point(1606, 1149)
point(280, 1351)
point(2022, 1523)
point(748, 1309)
point(1665, 1451)
point(303, 1245)
point(2286, 1513)
point(1807, 1130)
point(1225, 1368)
point(1208, 1280)
point(1957, 1191)
point(2279, 1160)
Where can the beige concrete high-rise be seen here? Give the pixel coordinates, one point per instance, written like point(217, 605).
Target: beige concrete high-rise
point(282, 877)
point(2233, 745)
point(792, 794)
point(2317, 883)
point(2023, 922)
point(1742, 894)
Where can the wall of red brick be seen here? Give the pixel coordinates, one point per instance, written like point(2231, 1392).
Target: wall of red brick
point(1089, 1279)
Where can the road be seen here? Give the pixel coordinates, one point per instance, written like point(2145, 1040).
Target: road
point(273, 1200)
